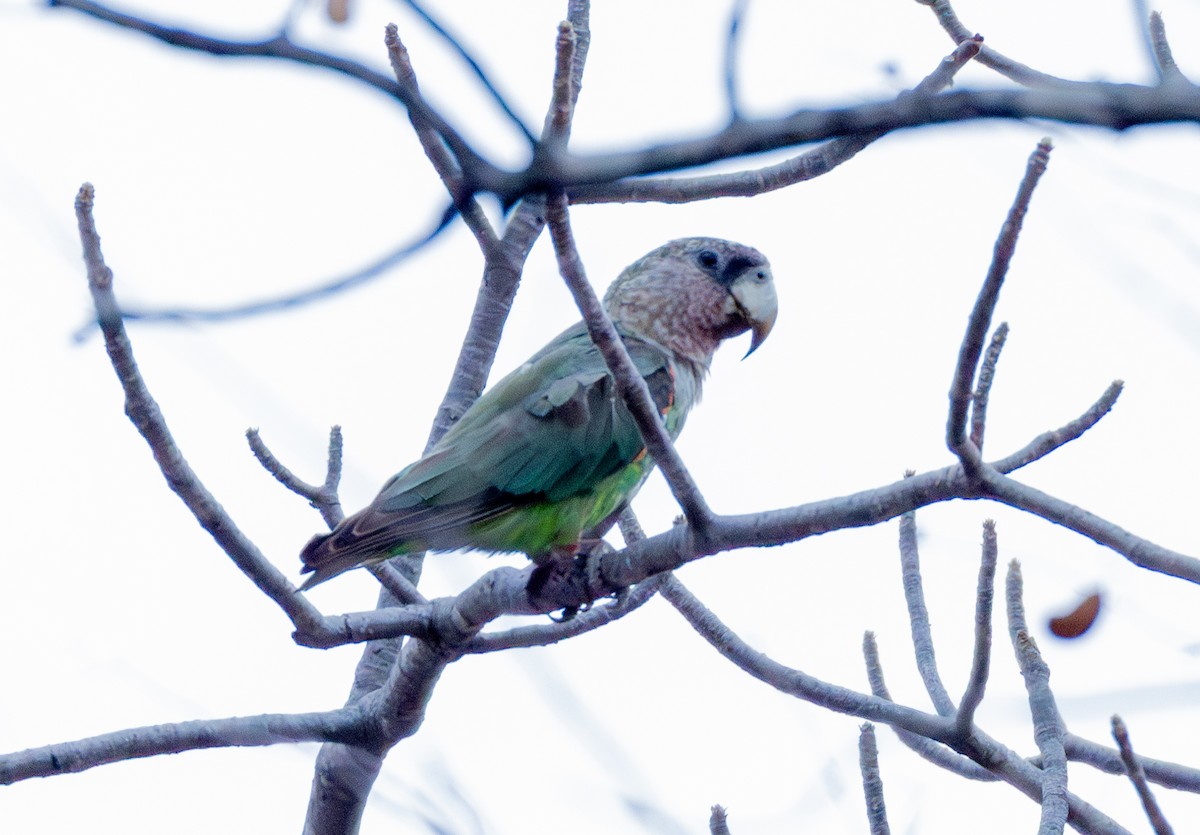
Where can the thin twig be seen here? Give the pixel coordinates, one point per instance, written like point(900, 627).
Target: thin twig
point(395, 582)
point(868, 764)
point(918, 616)
point(557, 127)
point(1047, 723)
point(546, 634)
point(275, 47)
point(1141, 552)
point(630, 384)
point(1164, 773)
point(1137, 776)
point(718, 821)
point(470, 61)
point(1168, 70)
point(278, 470)
point(436, 150)
point(323, 497)
point(732, 43)
point(333, 467)
point(981, 657)
point(1013, 70)
point(277, 304)
point(1055, 438)
point(981, 314)
point(983, 385)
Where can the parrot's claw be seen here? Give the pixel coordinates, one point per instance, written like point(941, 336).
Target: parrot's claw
point(568, 613)
point(577, 567)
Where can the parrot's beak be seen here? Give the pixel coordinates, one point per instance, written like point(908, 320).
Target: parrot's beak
point(754, 292)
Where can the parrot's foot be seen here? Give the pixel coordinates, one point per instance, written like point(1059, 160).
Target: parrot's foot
point(572, 575)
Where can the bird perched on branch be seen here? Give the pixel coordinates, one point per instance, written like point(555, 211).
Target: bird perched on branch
point(551, 453)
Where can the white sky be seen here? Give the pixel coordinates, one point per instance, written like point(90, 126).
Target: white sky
point(223, 180)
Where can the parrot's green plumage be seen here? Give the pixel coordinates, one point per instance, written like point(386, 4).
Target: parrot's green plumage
point(551, 452)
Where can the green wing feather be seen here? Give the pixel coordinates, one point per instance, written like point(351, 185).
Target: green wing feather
point(548, 452)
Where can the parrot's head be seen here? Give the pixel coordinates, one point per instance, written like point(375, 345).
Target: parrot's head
point(691, 293)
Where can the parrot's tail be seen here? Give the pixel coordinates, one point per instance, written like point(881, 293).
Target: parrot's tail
point(324, 559)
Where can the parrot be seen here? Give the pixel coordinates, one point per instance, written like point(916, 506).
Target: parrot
point(550, 455)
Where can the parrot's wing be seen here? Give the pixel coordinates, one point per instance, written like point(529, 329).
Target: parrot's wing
point(552, 429)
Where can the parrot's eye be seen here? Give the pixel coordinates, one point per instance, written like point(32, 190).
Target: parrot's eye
point(760, 276)
point(708, 259)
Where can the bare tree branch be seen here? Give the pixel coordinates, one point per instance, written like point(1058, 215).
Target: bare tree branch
point(344, 774)
point(868, 764)
point(794, 682)
point(983, 384)
point(918, 616)
point(1141, 552)
point(134, 743)
point(399, 586)
point(324, 497)
point(981, 657)
point(806, 166)
point(557, 128)
point(1137, 776)
point(288, 301)
point(1108, 760)
point(1047, 723)
point(143, 411)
